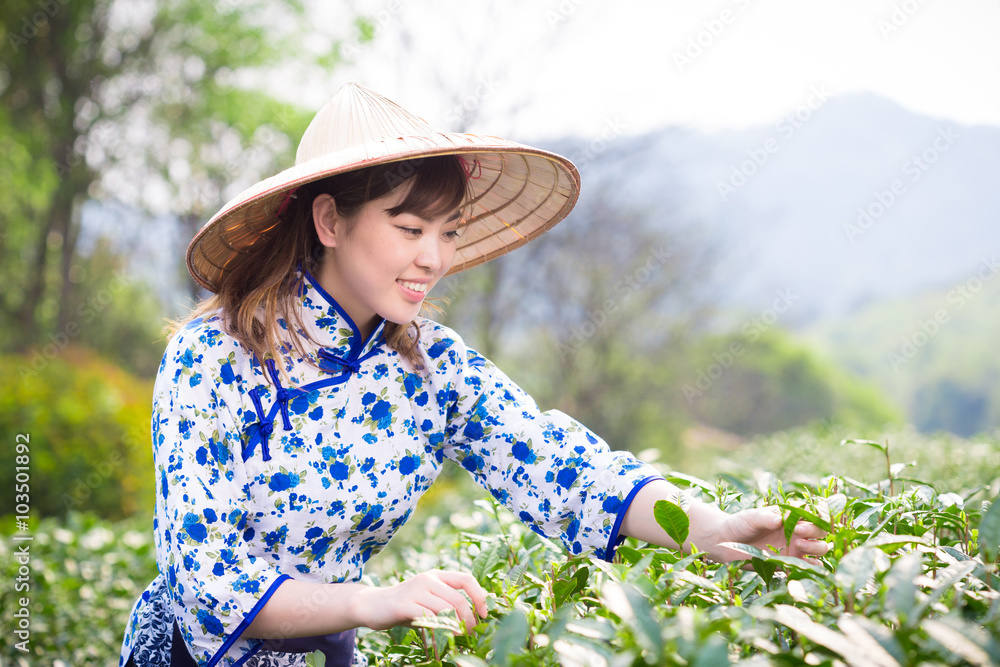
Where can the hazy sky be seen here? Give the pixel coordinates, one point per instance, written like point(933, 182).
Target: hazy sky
point(556, 67)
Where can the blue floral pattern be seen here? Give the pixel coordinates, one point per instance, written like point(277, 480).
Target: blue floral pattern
point(306, 470)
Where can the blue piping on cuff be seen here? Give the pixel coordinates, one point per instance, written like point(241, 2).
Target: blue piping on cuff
point(245, 624)
point(616, 539)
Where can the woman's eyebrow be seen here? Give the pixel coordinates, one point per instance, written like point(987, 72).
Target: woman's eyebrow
point(454, 216)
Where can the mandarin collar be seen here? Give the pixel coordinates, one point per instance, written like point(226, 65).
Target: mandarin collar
point(333, 328)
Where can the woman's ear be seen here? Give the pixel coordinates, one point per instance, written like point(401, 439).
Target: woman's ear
point(326, 219)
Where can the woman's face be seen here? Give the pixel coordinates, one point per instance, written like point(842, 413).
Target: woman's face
point(382, 266)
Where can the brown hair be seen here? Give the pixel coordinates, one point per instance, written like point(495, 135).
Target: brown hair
point(263, 286)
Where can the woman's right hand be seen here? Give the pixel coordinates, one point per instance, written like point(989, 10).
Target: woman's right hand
point(425, 594)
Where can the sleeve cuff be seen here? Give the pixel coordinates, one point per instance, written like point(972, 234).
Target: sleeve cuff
point(616, 538)
point(238, 632)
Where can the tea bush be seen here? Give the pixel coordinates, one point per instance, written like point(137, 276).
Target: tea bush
point(85, 575)
point(910, 579)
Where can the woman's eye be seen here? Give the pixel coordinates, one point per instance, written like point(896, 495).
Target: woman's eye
point(411, 231)
point(453, 234)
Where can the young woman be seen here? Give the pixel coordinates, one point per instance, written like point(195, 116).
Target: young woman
point(300, 412)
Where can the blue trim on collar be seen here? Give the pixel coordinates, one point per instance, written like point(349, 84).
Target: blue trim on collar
point(615, 539)
point(355, 331)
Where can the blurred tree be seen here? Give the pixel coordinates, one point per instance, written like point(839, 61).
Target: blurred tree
point(88, 427)
point(768, 382)
point(144, 102)
point(593, 317)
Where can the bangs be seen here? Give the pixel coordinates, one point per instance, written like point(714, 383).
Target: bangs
point(439, 185)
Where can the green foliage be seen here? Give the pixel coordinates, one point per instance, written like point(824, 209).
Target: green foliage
point(910, 580)
point(903, 584)
point(600, 334)
point(944, 461)
point(114, 314)
point(672, 519)
point(932, 354)
point(88, 423)
point(152, 110)
point(768, 382)
point(85, 575)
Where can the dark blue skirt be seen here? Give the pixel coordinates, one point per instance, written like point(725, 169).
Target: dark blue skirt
point(338, 648)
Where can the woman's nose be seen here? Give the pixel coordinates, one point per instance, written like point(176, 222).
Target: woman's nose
point(430, 254)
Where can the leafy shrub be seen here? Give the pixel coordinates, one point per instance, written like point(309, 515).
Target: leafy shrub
point(943, 461)
point(88, 423)
point(85, 575)
point(767, 382)
point(910, 580)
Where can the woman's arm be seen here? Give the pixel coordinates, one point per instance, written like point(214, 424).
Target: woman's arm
point(710, 526)
point(304, 609)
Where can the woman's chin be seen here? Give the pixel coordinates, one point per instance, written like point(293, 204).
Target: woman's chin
point(401, 316)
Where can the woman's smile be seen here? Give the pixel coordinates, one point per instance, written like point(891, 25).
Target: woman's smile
point(413, 290)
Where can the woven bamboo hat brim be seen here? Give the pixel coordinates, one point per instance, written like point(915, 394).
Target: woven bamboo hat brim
point(518, 192)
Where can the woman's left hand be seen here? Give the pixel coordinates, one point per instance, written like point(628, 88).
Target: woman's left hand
point(760, 527)
point(763, 528)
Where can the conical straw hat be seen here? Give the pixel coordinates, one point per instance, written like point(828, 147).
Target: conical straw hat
point(518, 191)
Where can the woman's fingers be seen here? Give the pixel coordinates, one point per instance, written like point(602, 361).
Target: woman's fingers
point(808, 547)
point(466, 582)
point(447, 597)
point(807, 540)
point(807, 530)
point(441, 590)
point(426, 594)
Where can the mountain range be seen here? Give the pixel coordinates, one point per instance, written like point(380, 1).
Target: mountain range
point(882, 225)
point(849, 201)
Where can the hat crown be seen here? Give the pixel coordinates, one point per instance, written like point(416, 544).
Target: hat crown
point(357, 117)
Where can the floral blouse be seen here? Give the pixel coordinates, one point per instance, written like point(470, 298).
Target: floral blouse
point(263, 476)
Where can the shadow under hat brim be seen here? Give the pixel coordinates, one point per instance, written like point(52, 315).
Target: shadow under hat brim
point(518, 193)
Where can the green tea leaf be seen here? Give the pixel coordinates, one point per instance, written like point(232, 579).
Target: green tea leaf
point(487, 560)
point(580, 652)
point(888, 541)
point(944, 581)
point(901, 588)
point(791, 563)
point(648, 629)
point(858, 634)
point(316, 659)
point(956, 642)
point(689, 480)
point(510, 638)
point(764, 569)
point(799, 621)
point(592, 628)
point(870, 443)
point(858, 566)
point(562, 589)
point(468, 661)
point(631, 606)
point(989, 533)
point(804, 515)
point(715, 652)
point(673, 520)
point(445, 620)
point(516, 574)
point(791, 521)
